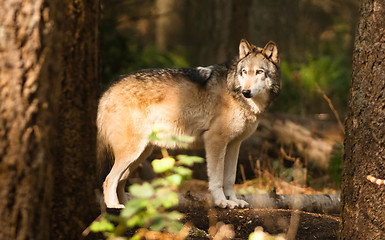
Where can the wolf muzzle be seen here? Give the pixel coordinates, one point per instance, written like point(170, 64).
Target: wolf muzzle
point(246, 93)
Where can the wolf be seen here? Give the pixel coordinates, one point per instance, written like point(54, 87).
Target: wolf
point(219, 105)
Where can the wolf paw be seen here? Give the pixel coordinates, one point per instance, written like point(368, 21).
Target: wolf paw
point(241, 203)
point(227, 204)
point(232, 204)
point(117, 206)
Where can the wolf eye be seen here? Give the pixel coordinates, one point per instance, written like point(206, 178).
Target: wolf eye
point(259, 71)
point(244, 71)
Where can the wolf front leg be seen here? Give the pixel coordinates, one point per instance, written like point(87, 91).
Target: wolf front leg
point(215, 147)
point(231, 159)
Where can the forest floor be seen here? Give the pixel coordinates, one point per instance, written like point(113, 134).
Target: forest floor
point(267, 166)
point(282, 222)
point(215, 223)
point(302, 225)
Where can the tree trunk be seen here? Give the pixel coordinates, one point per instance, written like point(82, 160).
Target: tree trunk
point(48, 92)
point(168, 23)
point(363, 201)
point(208, 30)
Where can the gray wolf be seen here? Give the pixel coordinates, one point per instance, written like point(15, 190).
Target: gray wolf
point(219, 105)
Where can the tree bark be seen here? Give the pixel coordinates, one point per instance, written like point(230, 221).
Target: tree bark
point(363, 201)
point(49, 73)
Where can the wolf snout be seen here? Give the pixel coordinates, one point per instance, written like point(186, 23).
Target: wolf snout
point(246, 93)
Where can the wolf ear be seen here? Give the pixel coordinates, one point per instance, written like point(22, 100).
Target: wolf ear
point(244, 48)
point(271, 52)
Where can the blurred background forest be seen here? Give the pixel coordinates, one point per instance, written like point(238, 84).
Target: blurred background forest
point(315, 40)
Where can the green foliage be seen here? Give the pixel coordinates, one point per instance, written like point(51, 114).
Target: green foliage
point(103, 225)
point(300, 95)
point(336, 162)
point(163, 165)
point(149, 207)
point(160, 135)
point(295, 173)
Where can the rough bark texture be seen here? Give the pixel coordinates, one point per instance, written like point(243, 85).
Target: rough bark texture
point(48, 82)
point(363, 202)
point(74, 166)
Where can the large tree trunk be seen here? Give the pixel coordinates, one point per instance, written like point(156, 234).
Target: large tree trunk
point(48, 92)
point(363, 205)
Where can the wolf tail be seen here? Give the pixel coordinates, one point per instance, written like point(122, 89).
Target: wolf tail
point(103, 154)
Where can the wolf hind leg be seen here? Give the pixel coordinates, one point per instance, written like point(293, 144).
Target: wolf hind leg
point(123, 160)
point(122, 196)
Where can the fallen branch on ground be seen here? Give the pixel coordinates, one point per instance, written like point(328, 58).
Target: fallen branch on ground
point(315, 203)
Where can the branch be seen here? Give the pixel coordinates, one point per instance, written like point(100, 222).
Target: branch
point(331, 107)
point(315, 203)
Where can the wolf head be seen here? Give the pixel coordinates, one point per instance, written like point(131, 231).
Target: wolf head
point(258, 71)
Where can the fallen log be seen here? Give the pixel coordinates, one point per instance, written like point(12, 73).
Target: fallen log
point(312, 139)
point(314, 203)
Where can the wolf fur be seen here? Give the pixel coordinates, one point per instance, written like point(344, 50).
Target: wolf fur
point(220, 105)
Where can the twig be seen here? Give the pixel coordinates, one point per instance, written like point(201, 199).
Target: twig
point(164, 153)
point(243, 173)
point(88, 229)
point(293, 227)
point(331, 107)
point(259, 172)
point(287, 157)
point(251, 162)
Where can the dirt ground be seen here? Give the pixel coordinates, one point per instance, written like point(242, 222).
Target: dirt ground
point(300, 225)
point(274, 221)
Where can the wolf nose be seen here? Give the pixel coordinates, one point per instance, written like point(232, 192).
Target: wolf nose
point(246, 93)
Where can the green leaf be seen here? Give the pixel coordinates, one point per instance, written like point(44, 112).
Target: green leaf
point(174, 226)
point(136, 220)
point(175, 215)
point(163, 165)
point(167, 198)
point(135, 237)
point(185, 172)
point(160, 182)
point(157, 203)
point(102, 226)
point(153, 137)
point(158, 223)
point(142, 191)
point(189, 160)
point(175, 179)
point(134, 206)
point(186, 139)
